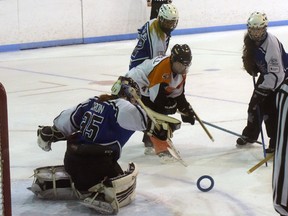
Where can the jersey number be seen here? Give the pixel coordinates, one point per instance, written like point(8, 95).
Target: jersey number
point(89, 126)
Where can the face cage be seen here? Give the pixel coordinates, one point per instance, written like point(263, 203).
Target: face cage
point(257, 34)
point(168, 24)
point(180, 68)
point(130, 98)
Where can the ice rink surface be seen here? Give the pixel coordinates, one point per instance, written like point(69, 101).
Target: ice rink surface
point(40, 83)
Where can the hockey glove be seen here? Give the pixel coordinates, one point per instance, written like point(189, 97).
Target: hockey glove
point(258, 97)
point(187, 115)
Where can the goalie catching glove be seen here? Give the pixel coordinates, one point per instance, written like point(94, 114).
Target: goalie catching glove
point(159, 133)
point(166, 125)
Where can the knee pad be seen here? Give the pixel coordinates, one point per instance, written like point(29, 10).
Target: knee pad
point(53, 182)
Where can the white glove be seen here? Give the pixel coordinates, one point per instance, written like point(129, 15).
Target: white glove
point(46, 146)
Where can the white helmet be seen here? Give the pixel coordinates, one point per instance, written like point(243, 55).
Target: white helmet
point(257, 20)
point(257, 26)
point(168, 18)
point(121, 89)
point(168, 12)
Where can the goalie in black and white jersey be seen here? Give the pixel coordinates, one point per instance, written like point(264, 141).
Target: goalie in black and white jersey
point(95, 130)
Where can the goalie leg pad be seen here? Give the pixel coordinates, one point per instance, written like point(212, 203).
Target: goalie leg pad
point(100, 205)
point(53, 182)
point(113, 193)
point(125, 185)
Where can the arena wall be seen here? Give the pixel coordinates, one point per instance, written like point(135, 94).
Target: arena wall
point(27, 24)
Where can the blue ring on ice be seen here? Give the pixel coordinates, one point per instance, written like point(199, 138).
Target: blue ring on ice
point(208, 188)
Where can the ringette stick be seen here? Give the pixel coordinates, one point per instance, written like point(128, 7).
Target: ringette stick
point(265, 160)
point(260, 124)
point(226, 130)
point(134, 94)
point(174, 152)
point(203, 126)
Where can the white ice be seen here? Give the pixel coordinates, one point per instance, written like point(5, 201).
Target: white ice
point(41, 83)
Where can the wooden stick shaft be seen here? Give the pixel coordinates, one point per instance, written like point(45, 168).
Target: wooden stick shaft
point(264, 161)
point(203, 126)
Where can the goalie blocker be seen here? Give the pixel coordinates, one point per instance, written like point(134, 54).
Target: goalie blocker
point(54, 183)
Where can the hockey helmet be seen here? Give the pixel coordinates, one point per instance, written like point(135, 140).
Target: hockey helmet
point(181, 57)
point(257, 26)
point(168, 18)
point(121, 88)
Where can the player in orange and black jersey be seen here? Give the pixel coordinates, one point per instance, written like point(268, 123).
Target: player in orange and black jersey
point(161, 81)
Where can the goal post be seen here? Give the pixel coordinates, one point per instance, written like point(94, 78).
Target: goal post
point(5, 185)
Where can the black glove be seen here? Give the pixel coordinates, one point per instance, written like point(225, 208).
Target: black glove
point(158, 133)
point(258, 97)
point(170, 106)
point(188, 115)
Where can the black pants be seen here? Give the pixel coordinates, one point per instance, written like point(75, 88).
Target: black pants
point(266, 112)
point(88, 170)
point(155, 8)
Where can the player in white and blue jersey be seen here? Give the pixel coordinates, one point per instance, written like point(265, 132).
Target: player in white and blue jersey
point(154, 36)
point(263, 54)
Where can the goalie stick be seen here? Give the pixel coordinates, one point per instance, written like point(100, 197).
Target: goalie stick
point(175, 153)
point(151, 114)
point(265, 160)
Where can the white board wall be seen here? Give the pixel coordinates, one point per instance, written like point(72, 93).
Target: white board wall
point(30, 23)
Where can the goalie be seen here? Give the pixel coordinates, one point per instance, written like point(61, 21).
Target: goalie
point(95, 130)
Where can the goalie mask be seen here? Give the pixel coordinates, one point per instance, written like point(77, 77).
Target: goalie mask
point(168, 18)
point(121, 88)
point(181, 58)
point(257, 26)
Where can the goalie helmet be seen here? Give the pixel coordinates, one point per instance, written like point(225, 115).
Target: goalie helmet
point(121, 88)
point(181, 57)
point(257, 26)
point(168, 18)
